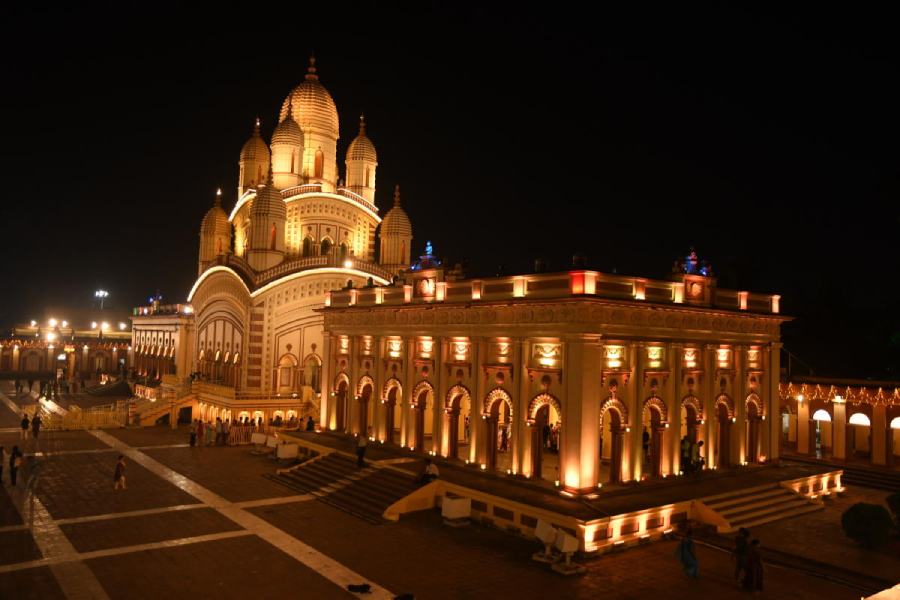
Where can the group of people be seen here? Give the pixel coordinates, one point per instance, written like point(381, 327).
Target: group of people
point(34, 425)
point(550, 436)
point(692, 460)
point(13, 460)
point(748, 565)
point(219, 433)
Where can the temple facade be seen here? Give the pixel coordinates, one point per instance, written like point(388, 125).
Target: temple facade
point(578, 377)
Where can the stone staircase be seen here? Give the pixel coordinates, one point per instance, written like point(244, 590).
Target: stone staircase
point(147, 413)
point(869, 477)
point(755, 506)
point(336, 480)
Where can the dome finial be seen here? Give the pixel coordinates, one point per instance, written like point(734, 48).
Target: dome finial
point(270, 180)
point(256, 127)
point(311, 70)
point(290, 112)
point(218, 196)
point(397, 195)
point(362, 124)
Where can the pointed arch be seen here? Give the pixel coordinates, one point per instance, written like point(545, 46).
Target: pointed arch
point(361, 384)
point(390, 384)
point(613, 403)
point(419, 388)
point(754, 399)
point(657, 403)
point(319, 165)
point(498, 394)
point(539, 402)
point(453, 392)
point(341, 378)
point(727, 402)
point(695, 403)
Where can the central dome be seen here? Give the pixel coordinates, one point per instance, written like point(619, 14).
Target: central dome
point(313, 106)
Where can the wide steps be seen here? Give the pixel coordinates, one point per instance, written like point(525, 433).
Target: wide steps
point(761, 509)
point(337, 481)
point(736, 501)
point(800, 510)
point(758, 505)
point(870, 477)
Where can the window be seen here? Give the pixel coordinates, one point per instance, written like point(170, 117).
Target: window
point(307, 247)
point(320, 164)
point(326, 247)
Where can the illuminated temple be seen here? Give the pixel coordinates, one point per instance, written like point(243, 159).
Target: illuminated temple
point(309, 302)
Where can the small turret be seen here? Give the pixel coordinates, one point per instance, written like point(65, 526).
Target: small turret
point(287, 151)
point(396, 237)
point(253, 163)
point(267, 220)
point(215, 234)
point(361, 163)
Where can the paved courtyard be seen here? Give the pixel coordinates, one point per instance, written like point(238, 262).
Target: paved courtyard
point(204, 522)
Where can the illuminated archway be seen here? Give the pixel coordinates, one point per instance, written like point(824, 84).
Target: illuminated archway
point(545, 422)
point(614, 415)
point(458, 410)
point(497, 415)
point(422, 405)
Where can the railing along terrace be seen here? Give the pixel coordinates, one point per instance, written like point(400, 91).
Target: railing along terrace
point(691, 291)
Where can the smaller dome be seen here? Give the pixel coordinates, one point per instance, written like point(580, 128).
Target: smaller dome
point(288, 132)
point(396, 221)
point(215, 221)
point(362, 148)
point(255, 148)
point(268, 201)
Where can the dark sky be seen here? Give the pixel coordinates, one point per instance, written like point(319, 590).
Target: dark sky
point(767, 141)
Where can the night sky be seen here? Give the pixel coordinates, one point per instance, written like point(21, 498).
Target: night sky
point(767, 141)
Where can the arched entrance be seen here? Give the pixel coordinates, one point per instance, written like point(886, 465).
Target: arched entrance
point(459, 410)
point(366, 385)
point(497, 417)
point(545, 420)
point(423, 403)
point(287, 367)
point(724, 420)
point(691, 418)
point(340, 402)
point(859, 432)
point(821, 431)
point(755, 414)
point(613, 420)
point(892, 443)
point(390, 408)
point(653, 418)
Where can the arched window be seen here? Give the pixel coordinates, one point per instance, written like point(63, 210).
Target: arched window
point(272, 237)
point(343, 251)
point(307, 247)
point(368, 177)
point(219, 246)
point(293, 162)
point(325, 247)
point(312, 374)
point(320, 164)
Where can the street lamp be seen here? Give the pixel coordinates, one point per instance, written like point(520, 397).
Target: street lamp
point(101, 294)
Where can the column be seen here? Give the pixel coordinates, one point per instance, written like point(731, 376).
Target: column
point(774, 412)
point(579, 459)
point(437, 411)
point(634, 430)
point(709, 405)
point(378, 429)
point(803, 427)
point(672, 448)
point(476, 453)
point(739, 428)
point(408, 379)
point(352, 422)
point(878, 432)
point(327, 399)
point(839, 431)
point(522, 433)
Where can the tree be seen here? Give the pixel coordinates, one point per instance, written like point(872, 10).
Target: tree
point(867, 524)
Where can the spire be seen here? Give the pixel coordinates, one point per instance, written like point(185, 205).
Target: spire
point(256, 127)
point(362, 124)
point(311, 70)
point(219, 197)
point(397, 195)
point(290, 112)
point(269, 179)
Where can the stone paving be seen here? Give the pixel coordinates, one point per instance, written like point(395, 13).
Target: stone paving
point(203, 523)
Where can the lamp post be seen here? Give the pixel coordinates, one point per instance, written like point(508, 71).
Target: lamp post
point(102, 295)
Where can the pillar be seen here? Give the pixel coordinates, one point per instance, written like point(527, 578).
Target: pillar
point(709, 405)
point(326, 401)
point(476, 453)
point(437, 409)
point(773, 451)
point(839, 431)
point(582, 363)
point(879, 430)
point(405, 400)
point(803, 428)
point(676, 393)
point(353, 368)
point(633, 444)
point(379, 431)
point(741, 391)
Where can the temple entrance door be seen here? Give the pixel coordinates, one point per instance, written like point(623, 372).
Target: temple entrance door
point(752, 433)
point(340, 407)
point(364, 399)
point(724, 442)
point(653, 432)
point(389, 406)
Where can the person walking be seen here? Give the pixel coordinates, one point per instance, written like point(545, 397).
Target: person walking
point(36, 425)
point(362, 441)
point(226, 431)
point(200, 439)
point(15, 461)
point(25, 425)
point(119, 474)
point(753, 569)
point(193, 441)
point(685, 554)
point(218, 431)
point(741, 543)
point(310, 424)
